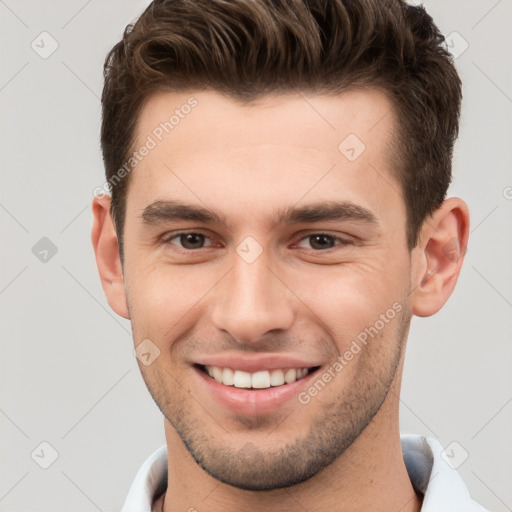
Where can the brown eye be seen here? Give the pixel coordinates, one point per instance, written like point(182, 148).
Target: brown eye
point(188, 241)
point(322, 241)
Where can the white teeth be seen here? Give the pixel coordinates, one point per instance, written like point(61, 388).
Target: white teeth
point(217, 373)
point(227, 376)
point(290, 376)
point(277, 378)
point(301, 373)
point(258, 380)
point(241, 379)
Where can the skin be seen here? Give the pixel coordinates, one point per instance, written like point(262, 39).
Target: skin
point(340, 451)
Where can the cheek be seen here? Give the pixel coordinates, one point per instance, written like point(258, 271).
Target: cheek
point(350, 298)
point(162, 297)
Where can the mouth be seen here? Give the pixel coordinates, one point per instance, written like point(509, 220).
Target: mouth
point(262, 379)
point(256, 384)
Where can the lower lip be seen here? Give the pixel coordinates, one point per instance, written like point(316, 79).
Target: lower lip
point(253, 402)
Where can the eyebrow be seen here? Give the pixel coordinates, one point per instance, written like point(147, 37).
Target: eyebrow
point(172, 210)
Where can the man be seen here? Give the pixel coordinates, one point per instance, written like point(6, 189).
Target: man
point(278, 173)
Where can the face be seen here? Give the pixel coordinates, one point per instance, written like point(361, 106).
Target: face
point(266, 265)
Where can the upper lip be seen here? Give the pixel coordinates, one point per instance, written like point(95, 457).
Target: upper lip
point(255, 363)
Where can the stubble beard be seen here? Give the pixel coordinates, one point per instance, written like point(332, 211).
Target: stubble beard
point(338, 423)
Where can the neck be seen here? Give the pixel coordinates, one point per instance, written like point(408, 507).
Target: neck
point(370, 475)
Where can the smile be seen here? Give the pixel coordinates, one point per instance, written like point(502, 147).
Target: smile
point(253, 384)
point(257, 380)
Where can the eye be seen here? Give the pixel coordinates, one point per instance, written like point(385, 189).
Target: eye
point(188, 240)
point(323, 241)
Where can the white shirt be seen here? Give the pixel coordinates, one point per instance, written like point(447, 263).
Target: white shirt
point(430, 474)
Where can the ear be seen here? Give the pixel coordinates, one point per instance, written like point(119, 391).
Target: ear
point(108, 260)
point(439, 256)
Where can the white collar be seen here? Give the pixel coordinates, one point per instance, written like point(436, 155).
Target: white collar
point(430, 474)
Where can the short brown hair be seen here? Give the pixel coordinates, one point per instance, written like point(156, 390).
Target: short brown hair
point(249, 48)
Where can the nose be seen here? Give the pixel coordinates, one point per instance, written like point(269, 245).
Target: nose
point(252, 300)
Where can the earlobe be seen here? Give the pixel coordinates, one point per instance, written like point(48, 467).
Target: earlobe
point(106, 249)
point(439, 256)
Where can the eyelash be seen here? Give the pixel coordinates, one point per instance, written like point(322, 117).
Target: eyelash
point(342, 242)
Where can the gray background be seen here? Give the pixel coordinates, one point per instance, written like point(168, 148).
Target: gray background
point(68, 374)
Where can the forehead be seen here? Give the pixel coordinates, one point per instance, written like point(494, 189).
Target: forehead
point(284, 148)
point(210, 116)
